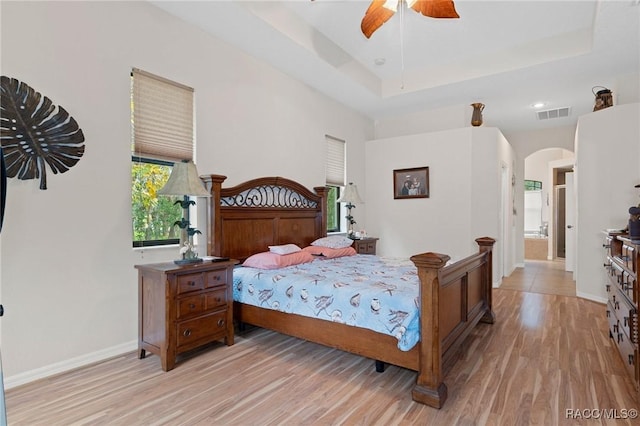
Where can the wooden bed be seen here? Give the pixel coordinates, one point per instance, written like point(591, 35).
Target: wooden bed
point(247, 218)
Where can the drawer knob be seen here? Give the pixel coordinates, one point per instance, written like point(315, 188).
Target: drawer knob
point(191, 283)
point(220, 322)
point(630, 359)
point(192, 306)
point(186, 333)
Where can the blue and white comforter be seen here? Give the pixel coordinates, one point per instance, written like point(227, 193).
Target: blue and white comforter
point(362, 290)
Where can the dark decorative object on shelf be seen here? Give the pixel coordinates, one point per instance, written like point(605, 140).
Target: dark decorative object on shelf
point(476, 115)
point(184, 181)
point(604, 98)
point(34, 132)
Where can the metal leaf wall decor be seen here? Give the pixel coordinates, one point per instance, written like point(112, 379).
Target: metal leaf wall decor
point(33, 131)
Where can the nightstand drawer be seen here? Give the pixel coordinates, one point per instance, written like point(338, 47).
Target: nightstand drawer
point(190, 282)
point(190, 332)
point(190, 306)
point(216, 298)
point(216, 278)
point(367, 248)
point(365, 245)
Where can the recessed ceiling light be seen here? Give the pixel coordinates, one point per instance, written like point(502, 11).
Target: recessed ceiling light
point(538, 105)
point(379, 61)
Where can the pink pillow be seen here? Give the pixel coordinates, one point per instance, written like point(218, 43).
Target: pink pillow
point(268, 260)
point(330, 253)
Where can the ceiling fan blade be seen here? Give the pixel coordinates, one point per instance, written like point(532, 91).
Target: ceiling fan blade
point(374, 17)
point(436, 8)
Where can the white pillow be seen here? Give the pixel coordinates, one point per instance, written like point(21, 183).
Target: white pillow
point(284, 249)
point(333, 241)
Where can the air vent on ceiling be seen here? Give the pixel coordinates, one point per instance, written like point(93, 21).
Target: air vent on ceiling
point(554, 113)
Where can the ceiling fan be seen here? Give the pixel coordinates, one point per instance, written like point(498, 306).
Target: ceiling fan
point(380, 11)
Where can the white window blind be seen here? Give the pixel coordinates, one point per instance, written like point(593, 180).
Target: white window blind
point(162, 117)
point(335, 161)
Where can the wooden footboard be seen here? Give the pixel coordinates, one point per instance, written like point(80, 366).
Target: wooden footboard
point(453, 300)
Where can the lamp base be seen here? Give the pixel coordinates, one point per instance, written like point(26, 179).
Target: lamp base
point(187, 261)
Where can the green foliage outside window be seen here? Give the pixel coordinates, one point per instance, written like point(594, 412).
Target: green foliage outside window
point(153, 216)
point(532, 185)
point(333, 209)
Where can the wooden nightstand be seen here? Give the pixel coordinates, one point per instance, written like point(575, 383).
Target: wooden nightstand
point(365, 245)
point(183, 307)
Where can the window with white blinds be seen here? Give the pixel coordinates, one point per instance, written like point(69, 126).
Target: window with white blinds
point(335, 161)
point(162, 120)
point(162, 117)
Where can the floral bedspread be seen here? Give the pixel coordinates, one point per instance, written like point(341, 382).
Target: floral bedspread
point(362, 290)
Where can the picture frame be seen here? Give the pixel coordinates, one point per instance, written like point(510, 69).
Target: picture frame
point(411, 183)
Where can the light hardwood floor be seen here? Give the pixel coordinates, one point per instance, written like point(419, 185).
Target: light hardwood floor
point(541, 276)
point(546, 354)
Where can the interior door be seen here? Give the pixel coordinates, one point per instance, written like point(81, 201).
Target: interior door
point(570, 223)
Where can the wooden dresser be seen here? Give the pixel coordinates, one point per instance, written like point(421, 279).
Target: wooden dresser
point(183, 307)
point(621, 263)
point(366, 245)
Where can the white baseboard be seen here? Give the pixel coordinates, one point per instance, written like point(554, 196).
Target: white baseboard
point(519, 265)
point(70, 364)
point(592, 297)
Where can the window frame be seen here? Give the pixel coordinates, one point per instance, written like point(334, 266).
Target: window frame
point(335, 173)
point(136, 159)
point(338, 221)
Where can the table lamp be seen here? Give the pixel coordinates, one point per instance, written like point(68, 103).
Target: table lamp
point(185, 181)
point(351, 197)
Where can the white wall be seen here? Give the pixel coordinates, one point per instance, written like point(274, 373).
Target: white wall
point(607, 169)
point(433, 120)
point(68, 282)
point(464, 185)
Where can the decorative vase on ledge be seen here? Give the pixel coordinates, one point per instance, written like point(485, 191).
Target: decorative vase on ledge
point(476, 116)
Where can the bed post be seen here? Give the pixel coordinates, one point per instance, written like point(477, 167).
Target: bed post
point(323, 192)
point(486, 246)
point(430, 388)
point(213, 184)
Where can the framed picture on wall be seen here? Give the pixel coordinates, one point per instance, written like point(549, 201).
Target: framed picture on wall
point(411, 183)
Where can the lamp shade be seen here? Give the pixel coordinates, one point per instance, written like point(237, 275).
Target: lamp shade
point(184, 180)
point(350, 195)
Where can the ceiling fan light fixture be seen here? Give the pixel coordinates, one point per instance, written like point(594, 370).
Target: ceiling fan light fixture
point(380, 11)
point(391, 5)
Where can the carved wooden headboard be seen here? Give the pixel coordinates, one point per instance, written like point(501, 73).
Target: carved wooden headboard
point(249, 217)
